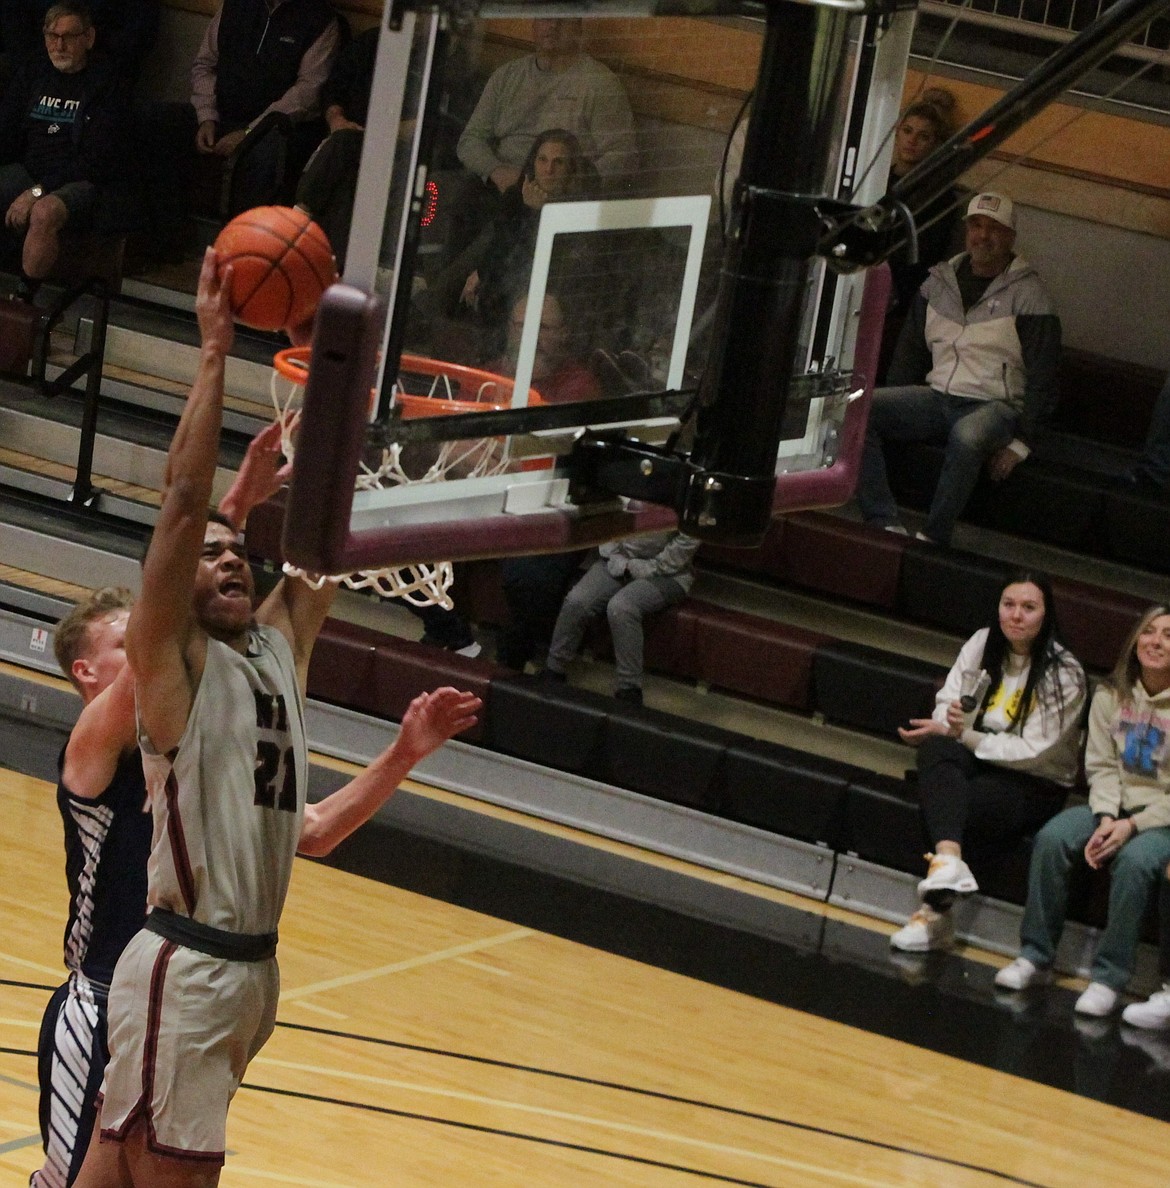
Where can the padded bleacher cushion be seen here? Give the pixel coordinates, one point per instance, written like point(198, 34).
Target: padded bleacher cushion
point(1083, 378)
point(403, 669)
point(883, 823)
point(1137, 530)
point(785, 791)
point(663, 756)
point(668, 645)
point(869, 689)
point(669, 640)
point(754, 656)
point(839, 557)
point(341, 669)
point(1095, 622)
point(552, 724)
point(1047, 503)
point(949, 589)
point(758, 560)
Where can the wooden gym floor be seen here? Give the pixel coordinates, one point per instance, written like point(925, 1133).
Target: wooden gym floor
point(422, 1042)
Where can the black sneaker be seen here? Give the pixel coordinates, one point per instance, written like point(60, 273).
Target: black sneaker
point(630, 694)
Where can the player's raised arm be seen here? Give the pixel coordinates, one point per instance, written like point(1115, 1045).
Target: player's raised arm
point(430, 720)
point(104, 732)
point(165, 648)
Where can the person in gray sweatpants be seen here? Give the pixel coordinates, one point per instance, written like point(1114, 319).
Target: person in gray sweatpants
point(629, 580)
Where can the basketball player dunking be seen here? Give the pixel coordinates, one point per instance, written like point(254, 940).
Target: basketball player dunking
point(221, 726)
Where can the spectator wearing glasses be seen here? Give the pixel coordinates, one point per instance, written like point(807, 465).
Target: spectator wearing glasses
point(62, 154)
point(126, 31)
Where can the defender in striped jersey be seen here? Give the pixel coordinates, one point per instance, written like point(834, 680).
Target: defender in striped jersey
point(101, 794)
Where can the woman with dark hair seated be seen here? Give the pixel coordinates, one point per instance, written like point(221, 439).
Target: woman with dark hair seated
point(999, 755)
point(493, 271)
point(1125, 825)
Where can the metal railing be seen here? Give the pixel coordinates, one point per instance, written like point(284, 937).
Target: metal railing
point(1053, 20)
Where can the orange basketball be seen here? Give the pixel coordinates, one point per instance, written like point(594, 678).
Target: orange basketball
point(281, 264)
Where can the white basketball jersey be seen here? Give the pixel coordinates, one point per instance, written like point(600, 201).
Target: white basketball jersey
point(228, 801)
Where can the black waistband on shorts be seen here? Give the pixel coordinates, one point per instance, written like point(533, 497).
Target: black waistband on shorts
point(215, 942)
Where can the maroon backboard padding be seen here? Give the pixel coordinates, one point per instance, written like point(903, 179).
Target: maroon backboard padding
point(834, 485)
point(317, 532)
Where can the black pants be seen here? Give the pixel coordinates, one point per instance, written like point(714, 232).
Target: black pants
point(986, 808)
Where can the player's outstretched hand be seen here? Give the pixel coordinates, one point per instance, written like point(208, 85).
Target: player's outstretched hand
point(212, 305)
point(432, 718)
point(263, 474)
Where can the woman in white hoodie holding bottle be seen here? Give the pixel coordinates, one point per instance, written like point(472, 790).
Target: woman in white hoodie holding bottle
point(999, 755)
point(1125, 825)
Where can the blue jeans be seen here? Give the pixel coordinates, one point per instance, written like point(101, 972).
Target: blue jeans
point(1134, 873)
point(971, 430)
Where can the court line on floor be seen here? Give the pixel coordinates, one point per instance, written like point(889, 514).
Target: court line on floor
point(658, 1095)
point(281, 1177)
point(528, 1138)
point(627, 1128)
point(30, 1140)
point(367, 975)
point(23, 964)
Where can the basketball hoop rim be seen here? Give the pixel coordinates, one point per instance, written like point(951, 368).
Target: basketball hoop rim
point(293, 364)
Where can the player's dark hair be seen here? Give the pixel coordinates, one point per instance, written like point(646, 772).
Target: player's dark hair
point(1046, 656)
point(213, 517)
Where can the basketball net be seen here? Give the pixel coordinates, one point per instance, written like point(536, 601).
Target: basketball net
point(419, 584)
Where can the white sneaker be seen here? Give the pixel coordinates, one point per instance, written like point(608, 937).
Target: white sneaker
point(896, 528)
point(1097, 1000)
point(1153, 1014)
point(947, 873)
point(925, 930)
point(1021, 974)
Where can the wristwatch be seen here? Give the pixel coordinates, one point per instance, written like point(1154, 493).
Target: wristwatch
point(37, 191)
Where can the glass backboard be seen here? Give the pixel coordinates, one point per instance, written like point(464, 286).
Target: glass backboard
point(543, 199)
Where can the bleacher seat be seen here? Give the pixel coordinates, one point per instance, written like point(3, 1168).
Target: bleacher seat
point(341, 668)
point(1095, 622)
point(842, 558)
point(868, 689)
point(883, 823)
point(783, 790)
point(554, 725)
point(943, 588)
point(663, 756)
point(403, 669)
point(754, 656)
point(1137, 530)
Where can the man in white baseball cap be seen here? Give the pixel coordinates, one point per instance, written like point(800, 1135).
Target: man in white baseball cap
point(974, 371)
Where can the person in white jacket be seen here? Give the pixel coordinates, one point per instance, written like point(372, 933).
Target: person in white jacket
point(999, 754)
point(1125, 825)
